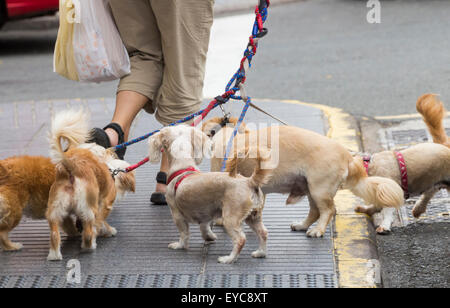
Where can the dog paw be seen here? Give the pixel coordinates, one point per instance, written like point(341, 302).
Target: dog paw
point(417, 212)
point(226, 260)
point(360, 209)
point(211, 237)
point(54, 255)
point(259, 253)
point(383, 231)
point(315, 233)
point(13, 247)
point(177, 246)
point(111, 232)
point(85, 248)
point(298, 227)
point(218, 222)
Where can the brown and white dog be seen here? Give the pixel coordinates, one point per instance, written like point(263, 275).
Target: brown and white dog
point(196, 197)
point(427, 164)
point(84, 186)
point(309, 165)
point(25, 183)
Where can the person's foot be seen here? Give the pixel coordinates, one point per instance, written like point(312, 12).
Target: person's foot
point(159, 196)
point(113, 136)
point(108, 137)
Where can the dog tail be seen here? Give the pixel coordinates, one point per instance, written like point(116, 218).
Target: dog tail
point(261, 157)
point(378, 191)
point(433, 112)
point(70, 126)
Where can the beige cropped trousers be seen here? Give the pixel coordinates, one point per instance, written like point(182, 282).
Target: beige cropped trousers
point(167, 41)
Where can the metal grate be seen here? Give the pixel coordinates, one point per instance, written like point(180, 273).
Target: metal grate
point(176, 281)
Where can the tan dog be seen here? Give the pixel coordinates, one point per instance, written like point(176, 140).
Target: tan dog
point(24, 186)
point(428, 164)
point(84, 186)
point(202, 197)
point(309, 165)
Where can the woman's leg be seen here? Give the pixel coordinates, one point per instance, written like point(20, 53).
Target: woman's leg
point(140, 34)
point(128, 105)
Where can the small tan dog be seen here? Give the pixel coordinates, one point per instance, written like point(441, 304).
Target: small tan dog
point(196, 197)
point(309, 165)
point(25, 182)
point(427, 164)
point(84, 186)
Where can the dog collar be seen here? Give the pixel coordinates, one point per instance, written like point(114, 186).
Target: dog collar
point(403, 173)
point(225, 121)
point(366, 161)
point(180, 172)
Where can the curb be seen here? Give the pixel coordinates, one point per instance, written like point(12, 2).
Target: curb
point(354, 241)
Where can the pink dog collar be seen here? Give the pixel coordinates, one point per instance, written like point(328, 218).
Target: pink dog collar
point(403, 173)
point(366, 161)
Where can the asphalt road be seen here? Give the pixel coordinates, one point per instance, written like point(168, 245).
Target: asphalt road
point(320, 51)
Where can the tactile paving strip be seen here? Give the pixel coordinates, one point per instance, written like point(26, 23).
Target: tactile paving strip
point(138, 256)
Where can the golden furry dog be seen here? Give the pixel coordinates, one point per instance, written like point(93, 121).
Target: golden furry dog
point(196, 197)
point(83, 186)
point(309, 165)
point(428, 164)
point(25, 182)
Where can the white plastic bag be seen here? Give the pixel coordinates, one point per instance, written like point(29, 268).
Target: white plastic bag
point(98, 50)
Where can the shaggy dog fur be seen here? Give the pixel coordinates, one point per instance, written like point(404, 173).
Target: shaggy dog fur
point(428, 164)
point(309, 165)
point(83, 184)
point(203, 197)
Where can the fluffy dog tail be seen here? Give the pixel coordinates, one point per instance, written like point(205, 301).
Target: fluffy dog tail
point(433, 112)
point(378, 191)
point(261, 157)
point(70, 126)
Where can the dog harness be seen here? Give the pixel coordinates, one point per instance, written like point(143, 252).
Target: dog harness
point(366, 161)
point(191, 171)
point(403, 171)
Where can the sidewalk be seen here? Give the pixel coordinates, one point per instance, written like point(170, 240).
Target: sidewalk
point(138, 256)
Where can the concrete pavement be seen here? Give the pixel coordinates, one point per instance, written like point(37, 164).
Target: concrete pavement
point(138, 256)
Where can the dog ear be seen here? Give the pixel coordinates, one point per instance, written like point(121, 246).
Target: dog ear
point(155, 147)
point(128, 181)
point(202, 145)
point(242, 128)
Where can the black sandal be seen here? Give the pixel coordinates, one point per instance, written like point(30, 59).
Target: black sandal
point(158, 198)
point(100, 137)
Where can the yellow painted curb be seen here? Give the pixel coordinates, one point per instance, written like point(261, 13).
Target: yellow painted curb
point(352, 241)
